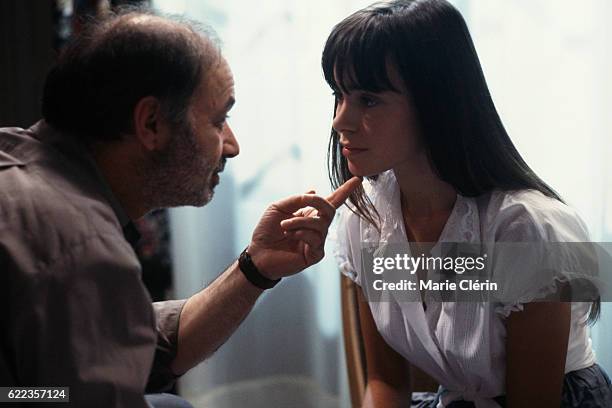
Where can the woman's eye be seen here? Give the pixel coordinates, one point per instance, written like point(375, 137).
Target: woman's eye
point(337, 95)
point(368, 101)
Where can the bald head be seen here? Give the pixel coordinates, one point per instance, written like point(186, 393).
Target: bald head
point(119, 59)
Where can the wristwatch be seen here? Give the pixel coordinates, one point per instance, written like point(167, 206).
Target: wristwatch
point(250, 271)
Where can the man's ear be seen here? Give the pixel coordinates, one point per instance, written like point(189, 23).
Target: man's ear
point(149, 124)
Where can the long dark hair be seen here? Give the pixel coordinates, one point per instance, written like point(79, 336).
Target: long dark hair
point(429, 43)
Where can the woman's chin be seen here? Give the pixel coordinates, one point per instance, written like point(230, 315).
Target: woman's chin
point(360, 171)
point(356, 170)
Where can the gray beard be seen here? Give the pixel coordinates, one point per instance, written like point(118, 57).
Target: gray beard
point(179, 175)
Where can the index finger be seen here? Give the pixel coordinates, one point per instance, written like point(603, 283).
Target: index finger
point(338, 197)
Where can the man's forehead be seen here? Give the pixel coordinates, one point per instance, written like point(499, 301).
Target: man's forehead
point(218, 86)
point(221, 73)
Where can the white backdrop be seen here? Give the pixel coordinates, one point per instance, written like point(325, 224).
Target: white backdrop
point(547, 63)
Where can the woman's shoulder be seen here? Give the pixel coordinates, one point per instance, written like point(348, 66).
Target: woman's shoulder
point(524, 215)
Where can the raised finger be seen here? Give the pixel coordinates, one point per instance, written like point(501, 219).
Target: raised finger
point(338, 197)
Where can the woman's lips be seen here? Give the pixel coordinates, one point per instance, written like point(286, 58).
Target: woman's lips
point(351, 151)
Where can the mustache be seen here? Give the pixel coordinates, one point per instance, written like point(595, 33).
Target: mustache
point(221, 165)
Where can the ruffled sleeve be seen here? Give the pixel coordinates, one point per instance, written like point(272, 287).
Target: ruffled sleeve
point(540, 253)
point(345, 236)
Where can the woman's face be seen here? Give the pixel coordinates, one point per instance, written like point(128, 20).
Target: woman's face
point(377, 131)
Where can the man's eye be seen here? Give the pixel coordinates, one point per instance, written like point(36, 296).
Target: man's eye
point(220, 124)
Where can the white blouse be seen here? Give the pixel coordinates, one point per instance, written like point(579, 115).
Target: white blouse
point(461, 344)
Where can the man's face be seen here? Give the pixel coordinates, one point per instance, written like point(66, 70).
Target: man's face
point(187, 170)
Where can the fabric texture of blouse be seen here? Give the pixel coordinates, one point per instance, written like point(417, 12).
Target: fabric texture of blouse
point(462, 344)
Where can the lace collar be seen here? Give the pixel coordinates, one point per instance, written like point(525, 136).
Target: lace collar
point(462, 226)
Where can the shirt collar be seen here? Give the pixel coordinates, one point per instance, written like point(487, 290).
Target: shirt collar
point(78, 151)
point(463, 224)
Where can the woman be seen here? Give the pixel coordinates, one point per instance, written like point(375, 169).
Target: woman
point(413, 114)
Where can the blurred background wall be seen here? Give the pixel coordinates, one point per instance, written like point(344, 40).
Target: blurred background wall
point(547, 63)
point(548, 66)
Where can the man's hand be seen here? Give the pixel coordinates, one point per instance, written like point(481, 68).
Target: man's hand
point(288, 238)
point(291, 234)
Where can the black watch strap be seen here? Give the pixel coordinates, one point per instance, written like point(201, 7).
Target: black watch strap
point(250, 271)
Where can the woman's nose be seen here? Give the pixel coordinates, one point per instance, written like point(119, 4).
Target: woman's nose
point(345, 119)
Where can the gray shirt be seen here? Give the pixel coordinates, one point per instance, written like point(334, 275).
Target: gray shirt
point(78, 313)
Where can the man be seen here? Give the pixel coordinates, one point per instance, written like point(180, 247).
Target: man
point(134, 119)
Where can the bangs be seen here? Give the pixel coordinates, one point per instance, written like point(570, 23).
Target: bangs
point(358, 52)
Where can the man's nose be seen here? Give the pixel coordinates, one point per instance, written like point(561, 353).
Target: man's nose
point(231, 148)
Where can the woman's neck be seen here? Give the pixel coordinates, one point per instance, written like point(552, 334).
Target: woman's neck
point(424, 195)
